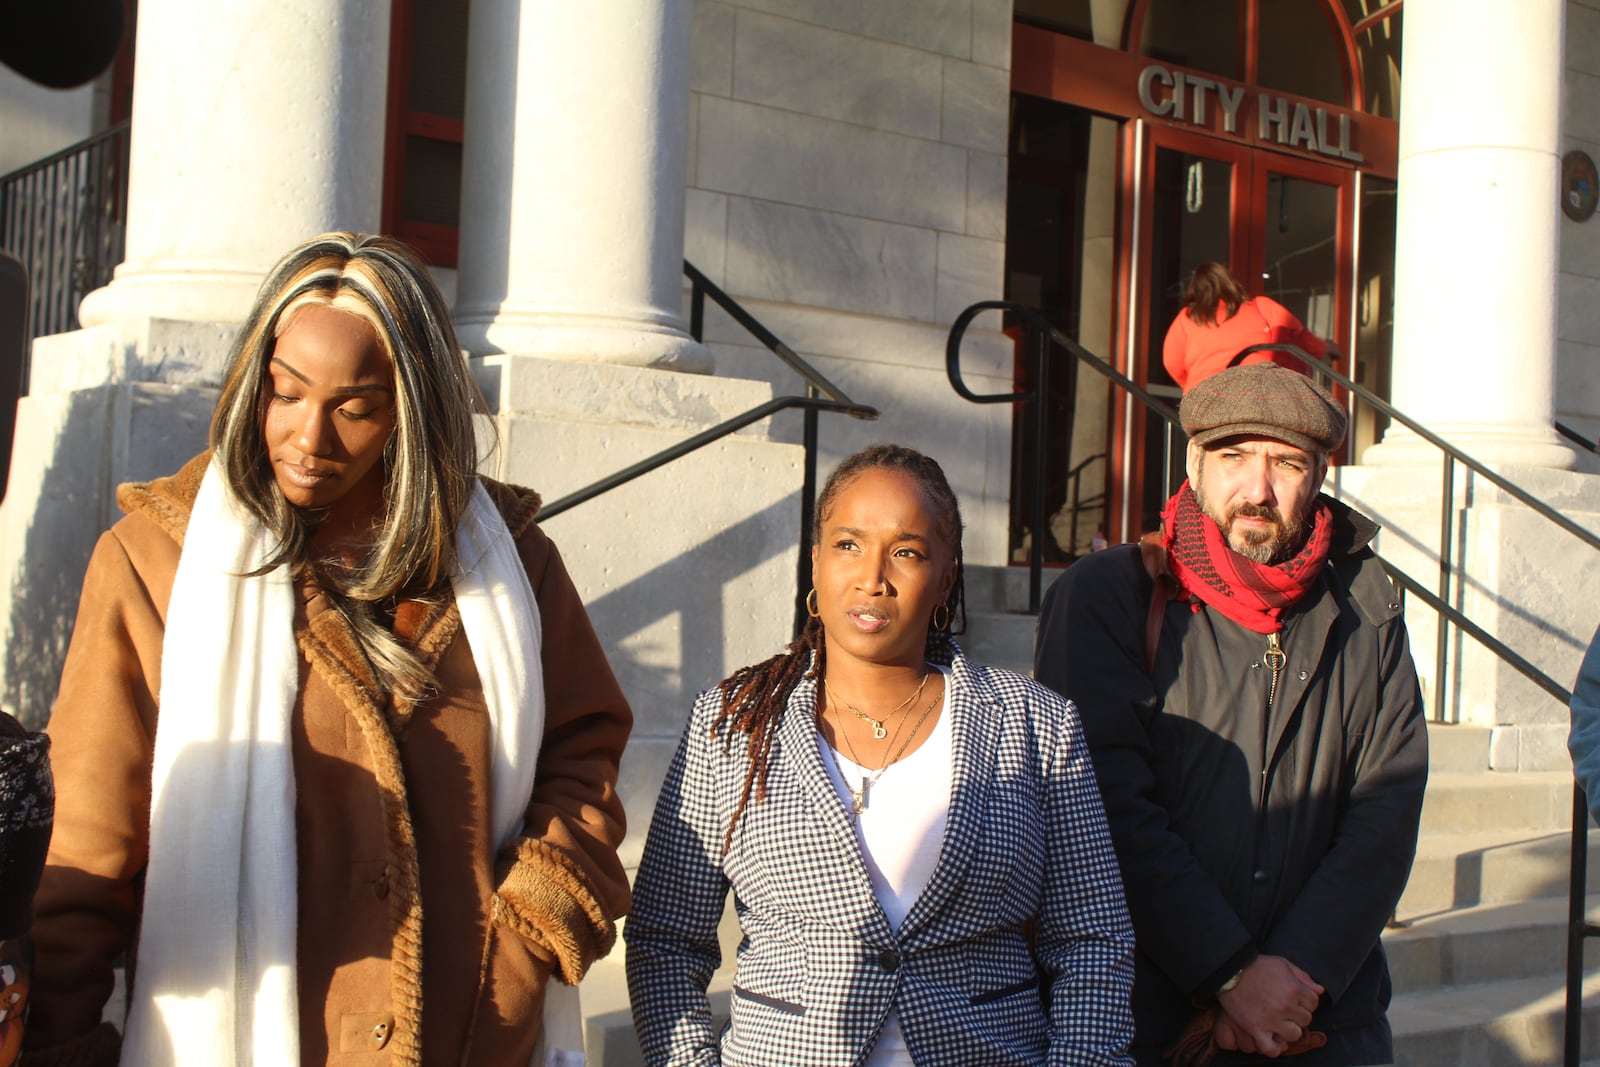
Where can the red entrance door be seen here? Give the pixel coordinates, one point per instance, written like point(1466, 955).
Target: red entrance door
point(1281, 223)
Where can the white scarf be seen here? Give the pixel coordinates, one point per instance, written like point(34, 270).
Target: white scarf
point(216, 969)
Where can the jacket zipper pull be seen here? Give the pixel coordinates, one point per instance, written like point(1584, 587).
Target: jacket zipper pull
point(1274, 659)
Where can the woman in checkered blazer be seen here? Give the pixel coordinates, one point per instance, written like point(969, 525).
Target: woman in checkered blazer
point(915, 843)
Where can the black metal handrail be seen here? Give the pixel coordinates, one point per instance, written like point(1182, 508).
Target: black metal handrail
point(693, 444)
point(1578, 926)
point(1047, 333)
point(1576, 438)
point(64, 217)
point(821, 395)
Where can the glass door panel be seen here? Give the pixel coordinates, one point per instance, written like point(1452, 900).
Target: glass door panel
point(1372, 347)
point(1276, 221)
point(1297, 255)
point(1300, 251)
point(1191, 224)
point(1061, 209)
point(1191, 213)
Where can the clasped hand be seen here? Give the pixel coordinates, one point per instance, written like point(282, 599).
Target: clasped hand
point(1268, 1010)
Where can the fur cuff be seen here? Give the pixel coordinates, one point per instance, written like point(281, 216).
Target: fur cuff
point(546, 899)
point(100, 1047)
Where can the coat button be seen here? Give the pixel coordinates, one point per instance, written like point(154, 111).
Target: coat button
point(889, 960)
point(380, 885)
point(1259, 878)
point(381, 1032)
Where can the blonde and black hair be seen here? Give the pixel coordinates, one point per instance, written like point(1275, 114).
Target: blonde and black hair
point(429, 464)
point(754, 698)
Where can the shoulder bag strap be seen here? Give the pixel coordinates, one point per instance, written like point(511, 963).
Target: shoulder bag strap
point(1163, 590)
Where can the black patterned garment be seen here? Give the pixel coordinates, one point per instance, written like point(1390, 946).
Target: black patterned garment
point(27, 807)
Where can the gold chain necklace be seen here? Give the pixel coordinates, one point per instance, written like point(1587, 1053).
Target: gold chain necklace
point(858, 795)
point(879, 731)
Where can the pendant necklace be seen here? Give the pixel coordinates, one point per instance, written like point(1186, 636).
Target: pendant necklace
point(858, 795)
point(879, 731)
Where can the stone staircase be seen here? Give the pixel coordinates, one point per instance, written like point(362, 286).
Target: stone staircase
point(1478, 954)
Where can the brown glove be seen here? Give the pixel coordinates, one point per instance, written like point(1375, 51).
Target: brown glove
point(1197, 1047)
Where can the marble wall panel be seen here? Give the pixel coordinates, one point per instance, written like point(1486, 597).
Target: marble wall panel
point(706, 232)
point(800, 67)
point(815, 332)
point(986, 195)
point(1576, 300)
point(802, 256)
point(977, 105)
point(1583, 38)
point(711, 48)
point(991, 32)
point(1580, 98)
point(943, 26)
point(970, 269)
point(1580, 241)
point(1577, 381)
point(756, 151)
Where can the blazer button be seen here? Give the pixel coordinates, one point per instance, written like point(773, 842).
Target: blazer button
point(889, 960)
point(381, 1032)
point(1259, 878)
point(380, 885)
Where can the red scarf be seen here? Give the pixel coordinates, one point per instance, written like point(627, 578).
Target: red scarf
point(1254, 595)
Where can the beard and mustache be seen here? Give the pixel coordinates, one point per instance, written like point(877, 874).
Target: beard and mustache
point(1266, 546)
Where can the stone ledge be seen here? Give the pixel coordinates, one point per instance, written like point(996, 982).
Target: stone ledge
point(139, 350)
point(614, 395)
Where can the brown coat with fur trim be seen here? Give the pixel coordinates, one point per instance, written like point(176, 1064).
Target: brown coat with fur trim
point(396, 862)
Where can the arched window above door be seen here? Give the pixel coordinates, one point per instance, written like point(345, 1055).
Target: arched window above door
point(1344, 52)
point(1302, 48)
point(1205, 35)
point(1376, 25)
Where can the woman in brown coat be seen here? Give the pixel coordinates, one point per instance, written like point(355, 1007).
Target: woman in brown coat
point(379, 812)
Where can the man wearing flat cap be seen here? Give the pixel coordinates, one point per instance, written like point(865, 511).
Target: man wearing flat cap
point(1246, 688)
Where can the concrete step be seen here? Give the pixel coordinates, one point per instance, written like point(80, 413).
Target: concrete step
point(1492, 943)
point(1473, 803)
point(1455, 749)
point(1000, 639)
point(1492, 867)
point(1500, 1024)
point(1002, 589)
point(608, 1022)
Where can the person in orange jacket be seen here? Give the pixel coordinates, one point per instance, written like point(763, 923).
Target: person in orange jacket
point(1219, 319)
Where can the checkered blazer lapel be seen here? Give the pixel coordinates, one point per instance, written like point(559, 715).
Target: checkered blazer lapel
point(859, 909)
point(975, 729)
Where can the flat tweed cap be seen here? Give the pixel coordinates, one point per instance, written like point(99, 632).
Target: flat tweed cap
point(1263, 400)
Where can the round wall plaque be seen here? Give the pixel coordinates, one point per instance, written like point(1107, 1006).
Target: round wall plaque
point(1580, 187)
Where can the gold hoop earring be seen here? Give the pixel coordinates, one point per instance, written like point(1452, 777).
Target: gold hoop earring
point(945, 625)
point(811, 604)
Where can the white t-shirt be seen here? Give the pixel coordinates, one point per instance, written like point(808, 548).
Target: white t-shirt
point(900, 832)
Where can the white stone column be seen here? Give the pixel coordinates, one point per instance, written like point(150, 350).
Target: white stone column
point(256, 124)
point(1475, 270)
point(573, 181)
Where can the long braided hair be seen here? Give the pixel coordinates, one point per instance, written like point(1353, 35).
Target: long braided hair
point(754, 697)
